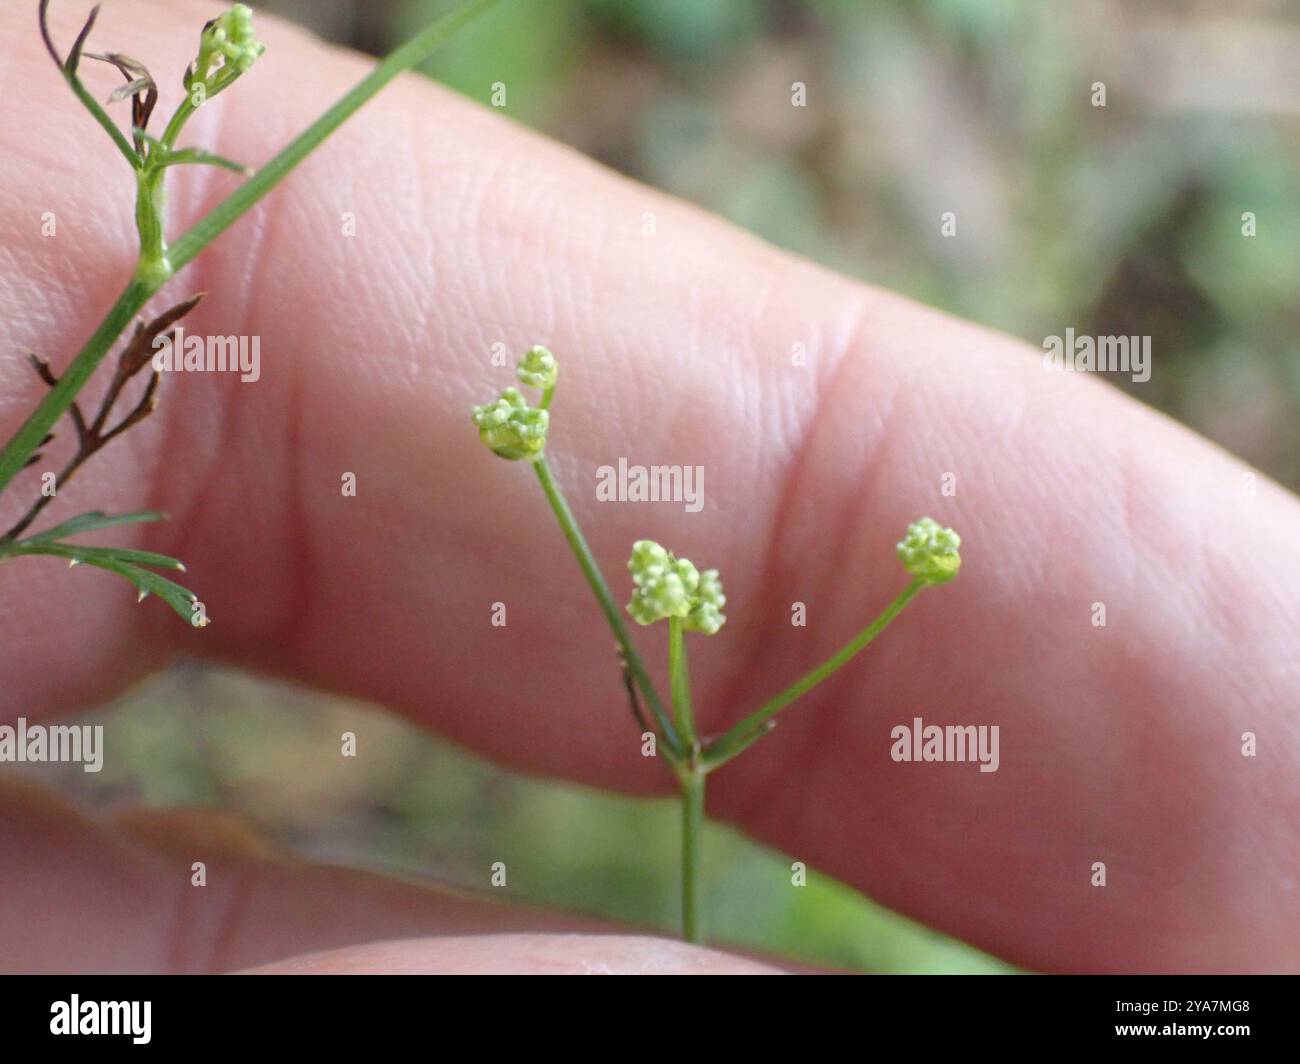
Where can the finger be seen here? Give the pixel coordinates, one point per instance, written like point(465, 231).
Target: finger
point(521, 954)
point(190, 891)
point(1120, 744)
point(193, 891)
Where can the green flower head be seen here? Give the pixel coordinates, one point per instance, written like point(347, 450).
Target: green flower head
point(666, 586)
point(231, 39)
point(538, 368)
point(930, 551)
point(512, 428)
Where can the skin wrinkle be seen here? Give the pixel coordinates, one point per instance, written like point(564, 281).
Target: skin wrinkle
point(782, 404)
point(204, 482)
point(471, 216)
point(300, 569)
point(244, 258)
point(421, 278)
point(419, 367)
point(734, 694)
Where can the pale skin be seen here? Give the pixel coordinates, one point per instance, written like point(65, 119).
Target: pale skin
point(1119, 744)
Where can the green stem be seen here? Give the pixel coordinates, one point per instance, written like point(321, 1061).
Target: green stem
point(680, 679)
point(691, 774)
point(57, 400)
point(742, 734)
point(692, 780)
point(413, 52)
point(177, 122)
point(102, 117)
point(151, 275)
point(150, 220)
point(587, 562)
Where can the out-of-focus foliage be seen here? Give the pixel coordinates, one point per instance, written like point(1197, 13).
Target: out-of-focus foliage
point(412, 805)
point(1120, 220)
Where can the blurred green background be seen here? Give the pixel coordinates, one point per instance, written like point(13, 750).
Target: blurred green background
point(1122, 220)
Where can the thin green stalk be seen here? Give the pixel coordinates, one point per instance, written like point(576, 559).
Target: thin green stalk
point(742, 734)
point(691, 776)
point(666, 587)
point(153, 267)
point(680, 679)
point(102, 117)
point(56, 402)
point(587, 562)
point(412, 53)
point(692, 780)
point(176, 124)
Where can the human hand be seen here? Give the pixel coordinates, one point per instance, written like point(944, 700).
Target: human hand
point(1119, 744)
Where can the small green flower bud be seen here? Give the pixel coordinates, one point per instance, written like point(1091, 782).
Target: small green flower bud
point(231, 37)
point(930, 551)
point(707, 615)
point(672, 587)
point(538, 368)
point(512, 428)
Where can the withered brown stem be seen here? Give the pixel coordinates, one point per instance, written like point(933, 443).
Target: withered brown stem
point(92, 436)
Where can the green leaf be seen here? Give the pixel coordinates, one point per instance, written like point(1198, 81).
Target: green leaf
point(135, 557)
point(124, 561)
point(169, 157)
point(126, 564)
point(92, 521)
point(204, 158)
point(147, 583)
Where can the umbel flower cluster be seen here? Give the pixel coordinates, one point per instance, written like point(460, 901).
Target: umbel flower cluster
point(538, 369)
point(930, 552)
point(665, 586)
point(509, 426)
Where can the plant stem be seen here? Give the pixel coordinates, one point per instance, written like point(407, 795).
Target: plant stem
point(151, 275)
point(413, 52)
point(692, 779)
point(176, 124)
point(103, 118)
point(57, 400)
point(691, 775)
point(25, 522)
point(150, 219)
point(680, 680)
point(587, 562)
point(740, 736)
